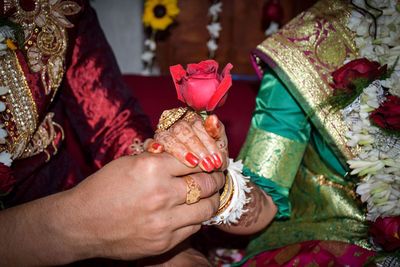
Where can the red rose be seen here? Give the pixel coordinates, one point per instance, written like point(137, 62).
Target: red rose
point(200, 86)
point(6, 179)
point(358, 68)
point(388, 114)
point(385, 232)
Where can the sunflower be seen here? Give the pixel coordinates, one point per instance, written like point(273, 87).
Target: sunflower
point(159, 14)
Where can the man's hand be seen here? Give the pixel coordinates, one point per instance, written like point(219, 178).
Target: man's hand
point(131, 208)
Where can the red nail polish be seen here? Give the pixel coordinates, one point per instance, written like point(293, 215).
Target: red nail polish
point(217, 160)
point(207, 164)
point(192, 159)
point(155, 146)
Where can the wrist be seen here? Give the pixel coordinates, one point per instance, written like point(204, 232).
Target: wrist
point(73, 239)
point(234, 196)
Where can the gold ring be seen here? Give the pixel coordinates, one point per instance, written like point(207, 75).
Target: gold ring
point(193, 190)
point(169, 117)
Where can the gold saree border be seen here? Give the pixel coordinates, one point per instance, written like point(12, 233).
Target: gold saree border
point(272, 156)
point(320, 210)
point(304, 53)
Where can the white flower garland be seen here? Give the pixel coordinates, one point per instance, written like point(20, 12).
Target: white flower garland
point(233, 212)
point(149, 53)
point(273, 28)
point(214, 28)
point(378, 164)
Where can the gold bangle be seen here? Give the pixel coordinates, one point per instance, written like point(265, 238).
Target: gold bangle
point(233, 198)
point(226, 196)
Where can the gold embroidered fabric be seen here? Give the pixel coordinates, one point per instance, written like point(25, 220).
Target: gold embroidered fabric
point(272, 156)
point(316, 213)
point(46, 37)
point(304, 53)
point(45, 46)
point(20, 117)
point(43, 137)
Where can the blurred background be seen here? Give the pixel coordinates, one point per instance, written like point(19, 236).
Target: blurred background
point(242, 27)
point(195, 30)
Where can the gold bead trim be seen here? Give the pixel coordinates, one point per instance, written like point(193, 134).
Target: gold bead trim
point(20, 105)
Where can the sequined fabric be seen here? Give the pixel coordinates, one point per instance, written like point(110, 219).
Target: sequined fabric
point(84, 114)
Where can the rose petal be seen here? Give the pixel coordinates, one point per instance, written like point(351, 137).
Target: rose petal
point(177, 72)
point(222, 88)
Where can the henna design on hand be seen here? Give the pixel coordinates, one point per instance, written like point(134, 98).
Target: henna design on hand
point(255, 206)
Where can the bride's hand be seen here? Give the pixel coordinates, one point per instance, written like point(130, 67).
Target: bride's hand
point(194, 141)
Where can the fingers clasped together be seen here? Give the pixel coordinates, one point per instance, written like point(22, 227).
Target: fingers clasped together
point(193, 141)
point(146, 211)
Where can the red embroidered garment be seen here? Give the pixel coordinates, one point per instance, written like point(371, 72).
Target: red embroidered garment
point(68, 112)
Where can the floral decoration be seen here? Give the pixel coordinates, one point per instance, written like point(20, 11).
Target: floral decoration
point(214, 27)
point(387, 115)
point(359, 68)
point(272, 14)
point(385, 232)
point(157, 16)
point(372, 116)
point(200, 86)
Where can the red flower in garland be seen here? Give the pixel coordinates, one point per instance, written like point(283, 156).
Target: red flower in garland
point(386, 231)
point(6, 179)
point(359, 68)
point(388, 114)
point(271, 12)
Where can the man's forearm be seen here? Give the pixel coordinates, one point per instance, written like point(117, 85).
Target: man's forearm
point(261, 211)
point(38, 233)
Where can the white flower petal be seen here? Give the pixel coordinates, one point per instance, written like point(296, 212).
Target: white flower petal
point(212, 45)
point(147, 56)
point(214, 29)
point(5, 158)
point(151, 44)
point(273, 28)
point(215, 9)
point(2, 106)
